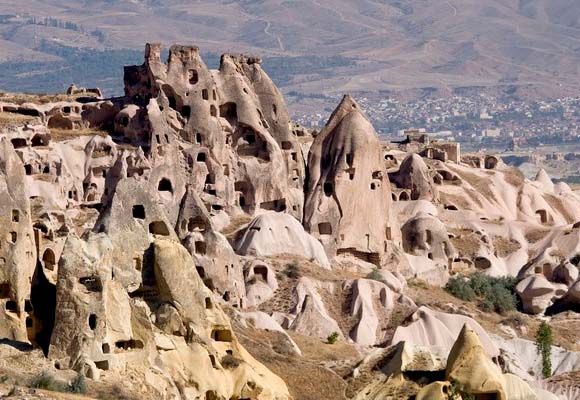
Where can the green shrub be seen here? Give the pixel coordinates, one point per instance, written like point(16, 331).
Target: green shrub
point(292, 270)
point(375, 275)
point(78, 385)
point(480, 283)
point(544, 342)
point(495, 294)
point(332, 338)
point(456, 393)
point(460, 288)
point(46, 381)
point(503, 300)
point(230, 362)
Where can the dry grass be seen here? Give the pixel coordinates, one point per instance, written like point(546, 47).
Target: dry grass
point(309, 377)
point(481, 184)
point(59, 135)
point(505, 247)
point(235, 224)
point(449, 198)
point(8, 119)
point(535, 235)
point(514, 176)
point(21, 98)
point(556, 204)
point(466, 242)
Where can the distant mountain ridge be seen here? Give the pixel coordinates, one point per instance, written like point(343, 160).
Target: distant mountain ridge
point(385, 44)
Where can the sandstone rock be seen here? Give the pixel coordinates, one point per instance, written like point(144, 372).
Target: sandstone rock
point(372, 304)
point(261, 320)
point(438, 331)
point(273, 233)
point(537, 293)
point(261, 283)
point(312, 318)
point(346, 173)
point(435, 391)
point(469, 364)
point(414, 175)
point(426, 236)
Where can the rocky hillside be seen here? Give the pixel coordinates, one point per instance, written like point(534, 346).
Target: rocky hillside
point(189, 241)
point(369, 44)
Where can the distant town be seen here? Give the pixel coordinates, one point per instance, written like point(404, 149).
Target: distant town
point(480, 122)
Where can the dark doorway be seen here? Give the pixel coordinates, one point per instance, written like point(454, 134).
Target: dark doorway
point(43, 298)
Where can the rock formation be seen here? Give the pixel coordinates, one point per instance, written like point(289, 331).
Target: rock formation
point(169, 233)
point(346, 172)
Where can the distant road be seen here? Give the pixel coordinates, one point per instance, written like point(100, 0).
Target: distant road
point(453, 8)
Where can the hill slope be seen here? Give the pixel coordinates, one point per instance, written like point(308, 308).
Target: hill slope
point(383, 44)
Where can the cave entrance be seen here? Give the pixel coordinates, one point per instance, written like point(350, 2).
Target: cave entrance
point(43, 298)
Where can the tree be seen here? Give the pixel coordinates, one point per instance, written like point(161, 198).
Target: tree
point(332, 338)
point(544, 341)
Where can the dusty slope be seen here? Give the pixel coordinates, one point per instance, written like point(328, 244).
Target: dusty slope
point(396, 45)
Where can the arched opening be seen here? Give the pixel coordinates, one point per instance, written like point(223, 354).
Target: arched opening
point(328, 189)
point(200, 247)
point(229, 111)
point(325, 228)
point(165, 185)
point(196, 224)
point(193, 76)
point(201, 157)
point(186, 112)
point(43, 299)
point(93, 322)
point(491, 162)
point(158, 228)
point(49, 259)
point(482, 263)
point(92, 283)
point(262, 272)
point(18, 143)
point(213, 111)
point(542, 216)
point(221, 335)
point(37, 140)
point(404, 196)
point(138, 211)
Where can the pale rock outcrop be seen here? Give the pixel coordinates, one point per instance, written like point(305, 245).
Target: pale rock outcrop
point(537, 293)
point(435, 391)
point(261, 320)
point(372, 303)
point(99, 324)
point(312, 318)
point(521, 358)
point(272, 233)
point(215, 260)
point(438, 331)
point(261, 283)
point(18, 253)
point(544, 181)
point(425, 235)
point(232, 123)
point(346, 173)
point(413, 174)
point(469, 364)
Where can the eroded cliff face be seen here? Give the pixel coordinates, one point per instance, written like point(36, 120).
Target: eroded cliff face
point(136, 232)
point(346, 174)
